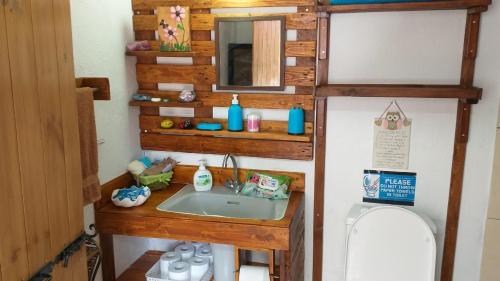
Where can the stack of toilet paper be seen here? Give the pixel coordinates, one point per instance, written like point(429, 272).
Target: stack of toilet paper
point(188, 262)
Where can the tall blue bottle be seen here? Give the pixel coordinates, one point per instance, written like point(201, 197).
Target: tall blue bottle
point(235, 116)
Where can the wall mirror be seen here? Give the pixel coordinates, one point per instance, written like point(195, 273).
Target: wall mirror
point(250, 53)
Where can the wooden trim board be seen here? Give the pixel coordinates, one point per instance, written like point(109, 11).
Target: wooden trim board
point(243, 147)
point(206, 74)
point(401, 91)
point(412, 6)
point(207, 4)
point(207, 21)
point(207, 48)
point(247, 100)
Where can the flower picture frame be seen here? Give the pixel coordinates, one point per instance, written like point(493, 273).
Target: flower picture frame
point(174, 28)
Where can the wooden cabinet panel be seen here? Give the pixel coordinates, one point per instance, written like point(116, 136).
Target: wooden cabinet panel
point(491, 255)
point(267, 53)
point(494, 211)
point(13, 231)
point(29, 133)
point(42, 208)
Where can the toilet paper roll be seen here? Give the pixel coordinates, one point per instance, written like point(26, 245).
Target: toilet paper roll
point(199, 266)
point(254, 273)
point(205, 251)
point(198, 245)
point(179, 271)
point(166, 260)
point(185, 250)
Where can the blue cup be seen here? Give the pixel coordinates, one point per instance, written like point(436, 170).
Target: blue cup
point(296, 121)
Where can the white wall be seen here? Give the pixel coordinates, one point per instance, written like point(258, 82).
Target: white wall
point(101, 30)
point(412, 47)
point(385, 47)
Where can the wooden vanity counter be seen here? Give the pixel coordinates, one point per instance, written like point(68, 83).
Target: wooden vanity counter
point(285, 236)
point(147, 221)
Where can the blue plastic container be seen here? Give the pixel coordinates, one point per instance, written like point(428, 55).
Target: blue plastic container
point(350, 2)
point(206, 126)
point(296, 121)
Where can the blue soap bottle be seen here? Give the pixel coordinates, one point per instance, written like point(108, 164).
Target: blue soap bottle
point(296, 121)
point(235, 116)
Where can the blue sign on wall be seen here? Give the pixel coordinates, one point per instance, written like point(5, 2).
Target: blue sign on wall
point(389, 187)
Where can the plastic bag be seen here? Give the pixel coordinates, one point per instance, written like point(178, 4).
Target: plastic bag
point(265, 185)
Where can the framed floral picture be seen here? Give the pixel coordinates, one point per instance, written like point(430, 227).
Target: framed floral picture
point(174, 29)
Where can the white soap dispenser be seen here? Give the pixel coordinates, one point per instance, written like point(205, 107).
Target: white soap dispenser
point(202, 179)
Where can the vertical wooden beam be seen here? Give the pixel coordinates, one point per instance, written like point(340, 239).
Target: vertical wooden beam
point(282, 260)
point(319, 187)
point(108, 257)
point(306, 35)
point(320, 148)
point(323, 49)
point(460, 148)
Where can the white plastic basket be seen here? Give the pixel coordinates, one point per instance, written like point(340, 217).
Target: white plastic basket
point(154, 274)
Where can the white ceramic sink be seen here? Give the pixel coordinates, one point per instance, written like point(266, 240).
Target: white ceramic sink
point(222, 202)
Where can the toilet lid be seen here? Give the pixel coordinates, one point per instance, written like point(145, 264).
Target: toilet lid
point(390, 244)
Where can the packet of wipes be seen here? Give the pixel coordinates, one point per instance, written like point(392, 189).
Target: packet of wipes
point(266, 185)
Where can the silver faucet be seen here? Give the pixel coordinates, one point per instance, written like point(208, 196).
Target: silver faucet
point(232, 183)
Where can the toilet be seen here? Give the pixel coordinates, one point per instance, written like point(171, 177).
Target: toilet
point(389, 243)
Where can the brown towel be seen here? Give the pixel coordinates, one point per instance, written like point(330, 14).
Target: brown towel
point(88, 145)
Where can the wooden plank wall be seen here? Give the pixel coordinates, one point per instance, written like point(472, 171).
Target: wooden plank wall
point(41, 209)
point(202, 74)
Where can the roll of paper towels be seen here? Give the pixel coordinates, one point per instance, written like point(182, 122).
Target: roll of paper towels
point(185, 250)
point(205, 251)
point(166, 260)
point(179, 271)
point(199, 266)
point(254, 273)
point(198, 245)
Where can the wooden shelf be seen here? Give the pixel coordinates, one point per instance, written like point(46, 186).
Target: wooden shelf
point(411, 6)
point(292, 150)
point(194, 104)
point(270, 130)
point(247, 100)
point(160, 54)
point(278, 136)
point(399, 91)
point(137, 271)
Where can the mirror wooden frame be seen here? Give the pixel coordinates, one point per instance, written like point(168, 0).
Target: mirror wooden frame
point(282, 19)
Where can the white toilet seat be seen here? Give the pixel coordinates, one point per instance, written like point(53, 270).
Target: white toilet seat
point(390, 243)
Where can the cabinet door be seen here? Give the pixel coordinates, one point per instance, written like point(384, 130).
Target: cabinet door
point(41, 179)
point(12, 231)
